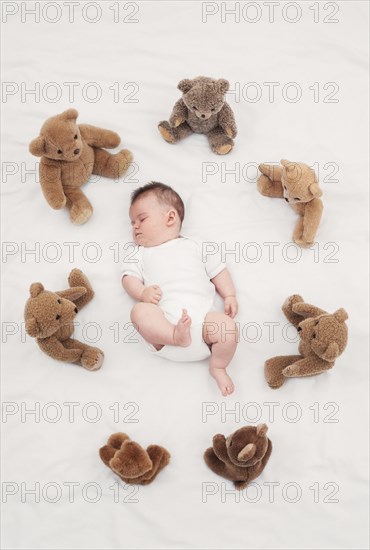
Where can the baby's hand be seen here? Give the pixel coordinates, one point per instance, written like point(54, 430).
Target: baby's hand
point(151, 294)
point(231, 306)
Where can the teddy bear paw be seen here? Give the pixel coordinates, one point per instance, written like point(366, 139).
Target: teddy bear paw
point(80, 214)
point(223, 149)
point(300, 241)
point(166, 131)
point(288, 371)
point(92, 358)
point(290, 301)
point(124, 158)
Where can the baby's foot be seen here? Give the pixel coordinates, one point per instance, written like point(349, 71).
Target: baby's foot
point(181, 333)
point(223, 380)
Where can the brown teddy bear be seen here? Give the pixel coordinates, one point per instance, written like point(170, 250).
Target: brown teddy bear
point(323, 338)
point(49, 318)
point(297, 184)
point(131, 462)
point(202, 110)
point(242, 456)
point(70, 153)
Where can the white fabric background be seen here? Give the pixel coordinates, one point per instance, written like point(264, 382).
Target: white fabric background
point(170, 42)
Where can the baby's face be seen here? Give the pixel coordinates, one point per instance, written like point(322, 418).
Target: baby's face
point(152, 222)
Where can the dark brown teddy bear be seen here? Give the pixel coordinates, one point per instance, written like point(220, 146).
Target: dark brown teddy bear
point(323, 338)
point(49, 318)
point(131, 462)
point(242, 456)
point(70, 153)
point(202, 110)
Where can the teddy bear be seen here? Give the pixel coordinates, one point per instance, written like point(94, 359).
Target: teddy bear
point(202, 110)
point(242, 456)
point(70, 153)
point(296, 182)
point(49, 318)
point(131, 462)
point(323, 338)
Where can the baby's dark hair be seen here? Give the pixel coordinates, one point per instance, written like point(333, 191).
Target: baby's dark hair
point(164, 193)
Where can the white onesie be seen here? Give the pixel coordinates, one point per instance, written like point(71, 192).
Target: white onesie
point(184, 275)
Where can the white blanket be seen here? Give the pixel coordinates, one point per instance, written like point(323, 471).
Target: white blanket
point(298, 87)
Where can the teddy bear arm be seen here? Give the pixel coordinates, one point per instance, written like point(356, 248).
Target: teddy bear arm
point(99, 137)
point(307, 310)
point(179, 113)
point(78, 279)
point(55, 349)
point(219, 447)
point(226, 120)
point(51, 184)
point(311, 220)
point(307, 367)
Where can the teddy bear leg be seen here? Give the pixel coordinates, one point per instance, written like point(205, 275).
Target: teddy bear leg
point(308, 366)
point(172, 134)
point(80, 209)
point(219, 141)
point(77, 278)
point(274, 369)
point(111, 166)
point(91, 358)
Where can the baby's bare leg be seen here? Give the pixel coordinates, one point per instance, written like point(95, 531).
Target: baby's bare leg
point(220, 331)
point(157, 330)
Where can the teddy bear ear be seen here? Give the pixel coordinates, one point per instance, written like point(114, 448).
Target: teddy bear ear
point(285, 162)
point(185, 85)
point(223, 85)
point(315, 190)
point(247, 452)
point(262, 430)
point(131, 460)
point(341, 315)
point(37, 146)
point(35, 289)
point(69, 114)
point(32, 328)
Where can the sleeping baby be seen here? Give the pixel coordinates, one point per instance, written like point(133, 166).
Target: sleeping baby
point(175, 287)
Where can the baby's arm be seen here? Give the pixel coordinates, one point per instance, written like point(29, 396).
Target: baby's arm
point(225, 287)
point(135, 288)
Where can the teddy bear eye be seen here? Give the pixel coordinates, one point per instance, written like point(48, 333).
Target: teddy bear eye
point(297, 199)
point(213, 109)
point(75, 136)
point(59, 301)
point(194, 107)
point(284, 187)
point(59, 151)
point(57, 317)
point(314, 335)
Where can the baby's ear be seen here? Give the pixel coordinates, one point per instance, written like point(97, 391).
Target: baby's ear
point(171, 217)
point(37, 146)
point(185, 85)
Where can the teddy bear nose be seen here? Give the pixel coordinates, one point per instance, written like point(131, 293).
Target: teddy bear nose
point(203, 116)
point(76, 151)
point(76, 310)
point(299, 329)
point(286, 199)
point(57, 317)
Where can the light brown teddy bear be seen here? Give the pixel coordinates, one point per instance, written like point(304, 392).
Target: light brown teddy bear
point(323, 339)
point(202, 110)
point(131, 462)
point(242, 456)
point(297, 184)
point(49, 318)
point(70, 153)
